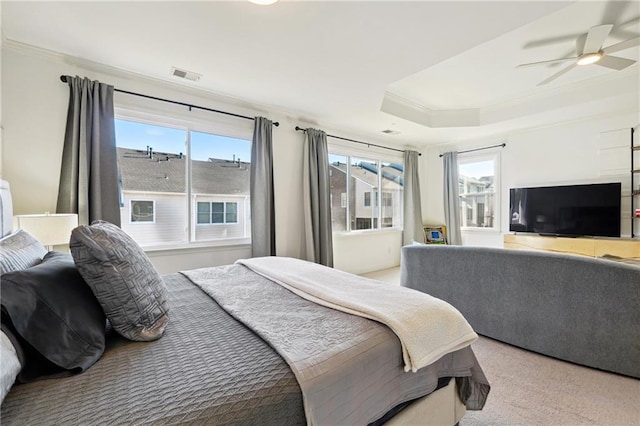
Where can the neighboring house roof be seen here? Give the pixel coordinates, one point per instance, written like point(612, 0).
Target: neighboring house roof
point(486, 182)
point(138, 172)
point(370, 176)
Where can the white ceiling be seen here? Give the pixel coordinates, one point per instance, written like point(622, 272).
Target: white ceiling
point(434, 71)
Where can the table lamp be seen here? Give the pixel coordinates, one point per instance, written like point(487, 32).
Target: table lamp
point(49, 229)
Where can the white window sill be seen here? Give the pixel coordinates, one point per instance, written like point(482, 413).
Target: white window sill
point(200, 246)
point(481, 230)
point(367, 231)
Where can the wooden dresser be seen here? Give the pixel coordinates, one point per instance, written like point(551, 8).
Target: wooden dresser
point(593, 247)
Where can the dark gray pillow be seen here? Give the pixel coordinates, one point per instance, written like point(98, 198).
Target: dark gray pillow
point(20, 251)
point(124, 281)
point(56, 319)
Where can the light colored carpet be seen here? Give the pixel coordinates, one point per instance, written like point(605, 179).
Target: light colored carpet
point(532, 389)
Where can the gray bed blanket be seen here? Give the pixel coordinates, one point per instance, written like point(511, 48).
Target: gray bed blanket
point(208, 369)
point(350, 369)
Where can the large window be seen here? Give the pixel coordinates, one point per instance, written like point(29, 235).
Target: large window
point(366, 193)
point(181, 185)
point(478, 183)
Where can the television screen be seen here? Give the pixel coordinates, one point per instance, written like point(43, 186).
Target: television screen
point(570, 210)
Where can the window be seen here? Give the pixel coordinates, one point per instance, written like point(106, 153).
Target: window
point(142, 211)
point(217, 212)
point(367, 199)
point(358, 181)
point(478, 180)
point(178, 178)
point(231, 213)
point(204, 213)
point(387, 199)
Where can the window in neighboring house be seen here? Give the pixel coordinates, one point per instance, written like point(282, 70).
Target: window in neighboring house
point(361, 203)
point(478, 180)
point(142, 211)
point(231, 213)
point(480, 214)
point(217, 212)
point(387, 199)
point(204, 213)
point(363, 223)
point(156, 160)
point(367, 199)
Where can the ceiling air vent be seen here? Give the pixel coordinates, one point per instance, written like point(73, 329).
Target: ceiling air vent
point(189, 75)
point(391, 132)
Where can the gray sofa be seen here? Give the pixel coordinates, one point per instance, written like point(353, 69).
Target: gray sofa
point(574, 308)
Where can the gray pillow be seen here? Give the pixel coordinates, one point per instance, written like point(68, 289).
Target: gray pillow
point(124, 281)
point(9, 365)
point(20, 251)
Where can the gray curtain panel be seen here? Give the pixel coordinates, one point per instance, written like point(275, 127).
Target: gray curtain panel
point(452, 198)
point(318, 241)
point(263, 218)
point(412, 210)
point(89, 174)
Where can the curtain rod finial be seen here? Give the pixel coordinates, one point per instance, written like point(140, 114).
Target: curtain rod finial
point(63, 78)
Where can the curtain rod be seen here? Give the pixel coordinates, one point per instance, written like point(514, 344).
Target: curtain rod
point(63, 78)
point(300, 129)
point(480, 149)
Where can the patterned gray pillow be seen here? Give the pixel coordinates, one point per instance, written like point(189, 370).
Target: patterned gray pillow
point(20, 251)
point(124, 281)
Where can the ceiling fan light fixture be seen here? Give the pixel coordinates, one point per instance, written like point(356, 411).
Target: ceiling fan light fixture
point(263, 2)
point(590, 58)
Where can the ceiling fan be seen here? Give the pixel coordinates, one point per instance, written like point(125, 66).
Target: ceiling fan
point(589, 50)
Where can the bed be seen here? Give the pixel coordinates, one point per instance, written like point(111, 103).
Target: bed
point(271, 358)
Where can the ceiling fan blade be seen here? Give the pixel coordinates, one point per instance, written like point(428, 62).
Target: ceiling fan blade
point(596, 37)
point(556, 75)
point(630, 21)
point(550, 40)
point(573, 58)
point(615, 62)
point(622, 45)
point(580, 44)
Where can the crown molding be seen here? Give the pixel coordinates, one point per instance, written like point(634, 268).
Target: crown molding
point(622, 84)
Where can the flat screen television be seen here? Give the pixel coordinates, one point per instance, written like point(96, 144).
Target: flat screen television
point(569, 210)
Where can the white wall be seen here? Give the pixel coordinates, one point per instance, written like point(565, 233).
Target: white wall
point(366, 251)
point(569, 153)
point(34, 106)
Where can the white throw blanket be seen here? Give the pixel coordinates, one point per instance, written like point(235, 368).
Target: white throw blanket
point(427, 327)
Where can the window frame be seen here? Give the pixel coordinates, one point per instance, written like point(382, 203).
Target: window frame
point(211, 212)
point(350, 151)
point(155, 113)
point(467, 158)
point(153, 207)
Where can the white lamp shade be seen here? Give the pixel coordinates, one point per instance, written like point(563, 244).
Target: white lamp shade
point(49, 229)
